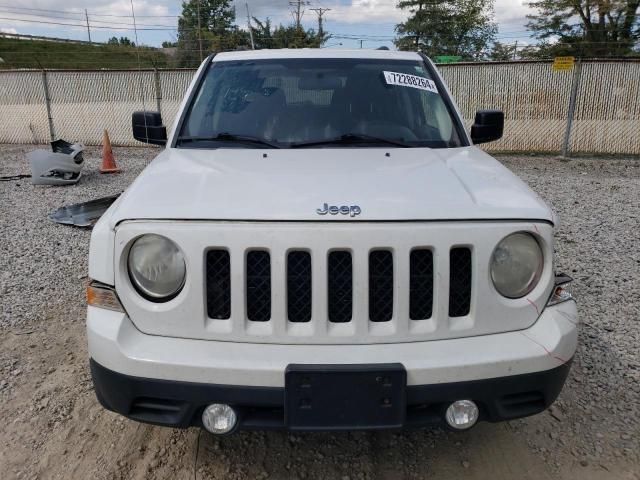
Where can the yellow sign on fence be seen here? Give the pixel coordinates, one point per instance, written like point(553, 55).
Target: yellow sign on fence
point(562, 64)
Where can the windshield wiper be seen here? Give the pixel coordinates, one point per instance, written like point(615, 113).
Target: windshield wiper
point(230, 137)
point(351, 139)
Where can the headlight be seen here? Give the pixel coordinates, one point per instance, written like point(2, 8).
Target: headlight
point(156, 267)
point(516, 265)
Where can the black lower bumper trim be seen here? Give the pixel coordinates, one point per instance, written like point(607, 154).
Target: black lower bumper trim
point(180, 404)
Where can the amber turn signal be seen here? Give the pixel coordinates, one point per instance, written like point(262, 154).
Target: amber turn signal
point(103, 296)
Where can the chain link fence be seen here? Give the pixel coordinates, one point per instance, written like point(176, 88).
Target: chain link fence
point(537, 102)
point(594, 108)
point(533, 98)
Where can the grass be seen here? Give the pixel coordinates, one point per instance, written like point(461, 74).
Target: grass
point(17, 53)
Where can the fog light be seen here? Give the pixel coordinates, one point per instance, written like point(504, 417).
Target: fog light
point(219, 418)
point(462, 414)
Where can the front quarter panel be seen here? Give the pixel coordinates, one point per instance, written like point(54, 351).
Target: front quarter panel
point(101, 249)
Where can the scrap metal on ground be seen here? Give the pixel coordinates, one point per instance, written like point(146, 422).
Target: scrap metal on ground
point(84, 214)
point(62, 166)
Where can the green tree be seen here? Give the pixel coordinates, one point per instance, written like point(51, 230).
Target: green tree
point(449, 27)
point(126, 42)
point(588, 28)
point(503, 52)
point(266, 36)
point(121, 41)
point(207, 25)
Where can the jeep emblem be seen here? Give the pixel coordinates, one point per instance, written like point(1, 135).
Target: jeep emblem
point(352, 211)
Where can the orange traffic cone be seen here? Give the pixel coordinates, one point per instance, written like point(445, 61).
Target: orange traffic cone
point(108, 162)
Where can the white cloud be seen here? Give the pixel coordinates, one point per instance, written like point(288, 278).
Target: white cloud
point(342, 11)
point(511, 11)
point(72, 11)
point(111, 7)
point(357, 11)
point(8, 30)
point(346, 16)
point(59, 18)
point(368, 11)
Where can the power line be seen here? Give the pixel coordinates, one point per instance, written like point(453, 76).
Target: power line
point(297, 11)
point(39, 10)
point(320, 12)
point(128, 27)
point(59, 14)
point(253, 45)
point(86, 15)
point(92, 21)
point(199, 31)
point(94, 14)
point(78, 24)
point(98, 48)
point(81, 14)
point(356, 37)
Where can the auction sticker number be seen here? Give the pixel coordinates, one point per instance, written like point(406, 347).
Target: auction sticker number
point(413, 81)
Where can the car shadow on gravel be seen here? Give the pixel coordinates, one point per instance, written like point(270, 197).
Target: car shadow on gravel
point(487, 451)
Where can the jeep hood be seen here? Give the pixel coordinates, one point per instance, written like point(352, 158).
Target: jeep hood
point(291, 184)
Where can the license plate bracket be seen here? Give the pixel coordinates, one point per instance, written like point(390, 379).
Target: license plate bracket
point(345, 397)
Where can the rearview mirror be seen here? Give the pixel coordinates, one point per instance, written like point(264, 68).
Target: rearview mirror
point(319, 82)
point(488, 126)
point(147, 127)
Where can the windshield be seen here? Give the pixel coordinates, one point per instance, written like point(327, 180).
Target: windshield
point(294, 103)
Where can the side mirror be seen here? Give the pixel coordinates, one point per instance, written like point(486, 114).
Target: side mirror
point(147, 127)
point(488, 126)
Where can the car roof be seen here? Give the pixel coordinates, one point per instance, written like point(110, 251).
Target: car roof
point(315, 53)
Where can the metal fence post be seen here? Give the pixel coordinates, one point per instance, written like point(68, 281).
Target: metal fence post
point(47, 100)
point(577, 75)
point(156, 76)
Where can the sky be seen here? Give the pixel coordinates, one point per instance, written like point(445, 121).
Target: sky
point(349, 21)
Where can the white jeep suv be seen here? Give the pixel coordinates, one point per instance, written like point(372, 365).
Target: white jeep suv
point(320, 246)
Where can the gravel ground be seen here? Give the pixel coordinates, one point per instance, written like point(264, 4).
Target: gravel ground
point(54, 428)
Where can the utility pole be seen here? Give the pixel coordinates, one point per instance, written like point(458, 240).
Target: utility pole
point(515, 50)
point(298, 12)
point(253, 45)
point(199, 32)
point(417, 40)
point(361, 43)
point(320, 12)
point(86, 15)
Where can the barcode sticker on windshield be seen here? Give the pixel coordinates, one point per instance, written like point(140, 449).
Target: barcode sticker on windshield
point(406, 80)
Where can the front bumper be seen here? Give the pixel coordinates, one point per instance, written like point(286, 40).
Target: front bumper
point(169, 381)
point(180, 404)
